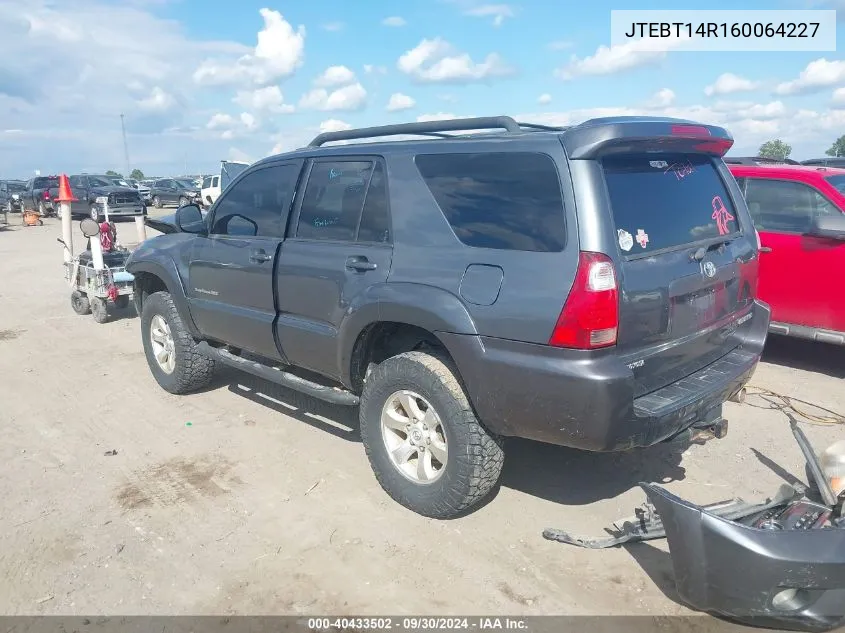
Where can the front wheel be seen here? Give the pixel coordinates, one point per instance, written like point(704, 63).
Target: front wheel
point(157, 202)
point(99, 309)
point(79, 302)
point(425, 445)
point(183, 201)
point(95, 213)
point(172, 354)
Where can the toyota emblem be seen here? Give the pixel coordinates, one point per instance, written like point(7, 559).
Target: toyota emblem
point(709, 269)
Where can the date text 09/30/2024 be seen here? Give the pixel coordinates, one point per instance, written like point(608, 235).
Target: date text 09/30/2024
point(422, 623)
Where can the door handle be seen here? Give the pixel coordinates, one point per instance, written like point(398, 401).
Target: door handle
point(360, 264)
point(765, 249)
point(259, 256)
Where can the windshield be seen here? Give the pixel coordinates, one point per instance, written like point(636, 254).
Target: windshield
point(16, 187)
point(187, 184)
point(97, 181)
point(838, 182)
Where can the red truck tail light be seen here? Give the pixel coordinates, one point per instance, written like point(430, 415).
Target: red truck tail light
point(590, 316)
point(46, 194)
point(690, 130)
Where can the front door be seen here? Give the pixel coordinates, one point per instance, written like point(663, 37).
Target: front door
point(795, 269)
point(231, 272)
point(339, 247)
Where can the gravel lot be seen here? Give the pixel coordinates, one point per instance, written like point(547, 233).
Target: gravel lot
point(252, 499)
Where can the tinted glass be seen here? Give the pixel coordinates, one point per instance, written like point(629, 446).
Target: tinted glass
point(784, 206)
point(838, 182)
point(97, 181)
point(16, 187)
point(76, 182)
point(45, 181)
point(506, 201)
point(206, 182)
point(375, 225)
point(661, 201)
point(258, 204)
point(334, 197)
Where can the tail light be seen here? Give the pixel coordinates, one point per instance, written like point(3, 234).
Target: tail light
point(590, 316)
point(46, 194)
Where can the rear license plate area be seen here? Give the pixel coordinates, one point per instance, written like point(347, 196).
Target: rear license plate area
point(697, 310)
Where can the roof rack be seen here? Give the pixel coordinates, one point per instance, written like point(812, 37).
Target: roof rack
point(756, 160)
point(423, 128)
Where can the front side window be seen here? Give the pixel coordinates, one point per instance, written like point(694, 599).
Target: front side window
point(258, 204)
point(333, 200)
point(784, 205)
point(507, 200)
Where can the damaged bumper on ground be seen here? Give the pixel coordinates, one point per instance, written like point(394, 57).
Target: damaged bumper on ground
point(780, 568)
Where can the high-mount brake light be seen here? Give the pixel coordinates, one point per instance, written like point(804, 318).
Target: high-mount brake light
point(690, 130)
point(590, 316)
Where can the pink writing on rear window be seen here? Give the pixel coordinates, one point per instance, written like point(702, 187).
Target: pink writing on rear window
point(681, 170)
point(721, 215)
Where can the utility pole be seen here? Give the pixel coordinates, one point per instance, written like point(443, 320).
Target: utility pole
point(125, 148)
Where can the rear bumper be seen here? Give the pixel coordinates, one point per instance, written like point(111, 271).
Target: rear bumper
point(736, 571)
point(586, 399)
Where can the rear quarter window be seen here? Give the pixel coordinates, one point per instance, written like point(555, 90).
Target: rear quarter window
point(505, 200)
point(664, 201)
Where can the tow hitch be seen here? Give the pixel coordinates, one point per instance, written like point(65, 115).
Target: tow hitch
point(778, 564)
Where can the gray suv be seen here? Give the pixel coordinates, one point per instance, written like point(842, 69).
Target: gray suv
point(591, 286)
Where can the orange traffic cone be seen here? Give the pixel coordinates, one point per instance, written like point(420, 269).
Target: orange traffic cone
point(65, 194)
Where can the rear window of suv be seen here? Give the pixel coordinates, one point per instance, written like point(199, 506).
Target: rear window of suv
point(45, 181)
point(505, 200)
point(662, 201)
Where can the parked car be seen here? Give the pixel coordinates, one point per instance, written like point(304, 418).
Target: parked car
point(799, 213)
point(142, 190)
point(829, 161)
point(213, 185)
point(41, 193)
point(11, 195)
point(94, 193)
point(592, 287)
point(172, 191)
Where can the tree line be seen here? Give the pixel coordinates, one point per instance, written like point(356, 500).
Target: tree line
point(780, 150)
point(136, 174)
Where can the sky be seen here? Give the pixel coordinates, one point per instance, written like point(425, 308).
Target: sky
point(199, 81)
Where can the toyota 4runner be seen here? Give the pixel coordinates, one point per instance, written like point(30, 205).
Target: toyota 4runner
point(591, 286)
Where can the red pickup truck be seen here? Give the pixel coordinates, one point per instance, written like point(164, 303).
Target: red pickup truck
point(799, 213)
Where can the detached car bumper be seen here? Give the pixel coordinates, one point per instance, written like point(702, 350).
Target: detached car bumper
point(587, 400)
point(786, 579)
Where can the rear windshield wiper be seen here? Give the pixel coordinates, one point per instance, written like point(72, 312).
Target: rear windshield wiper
point(698, 254)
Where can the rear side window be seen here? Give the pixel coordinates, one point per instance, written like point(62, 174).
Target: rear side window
point(507, 200)
point(838, 182)
point(662, 201)
point(784, 205)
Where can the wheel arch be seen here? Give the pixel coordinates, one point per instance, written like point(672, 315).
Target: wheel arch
point(159, 276)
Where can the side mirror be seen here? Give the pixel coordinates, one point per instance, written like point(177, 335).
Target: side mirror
point(189, 219)
point(89, 227)
point(831, 227)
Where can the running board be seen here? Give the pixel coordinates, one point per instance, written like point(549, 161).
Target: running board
point(335, 395)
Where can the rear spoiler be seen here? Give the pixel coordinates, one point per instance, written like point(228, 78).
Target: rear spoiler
point(623, 135)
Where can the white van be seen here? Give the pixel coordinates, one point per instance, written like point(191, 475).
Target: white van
point(212, 186)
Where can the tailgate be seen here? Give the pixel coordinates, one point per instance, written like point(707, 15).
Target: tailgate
point(687, 272)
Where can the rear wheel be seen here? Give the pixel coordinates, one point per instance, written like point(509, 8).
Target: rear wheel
point(95, 213)
point(79, 302)
point(172, 354)
point(183, 201)
point(99, 309)
point(426, 447)
point(157, 202)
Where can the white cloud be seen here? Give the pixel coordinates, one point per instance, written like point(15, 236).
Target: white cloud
point(394, 20)
point(818, 74)
point(661, 99)
point(437, 61)
point(268, 99)
point(279, 52)
point(609, 60)
point(347, 98)
point(399, 101)
point(560, 45)
point(497, 11)
point(158, 101)
point(838, 100)
point(335, 76)
point(728, 83)
point(220, 120)
point(544, 99)
point(333, 27)
point(374, 70)
point(229, 126)
point(334, 125)
point(240, 156)
point(248, 121)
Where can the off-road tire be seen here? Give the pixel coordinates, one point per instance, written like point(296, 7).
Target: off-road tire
point(79, 302)
point(99, 309)
point(157, 202)
point(122, 302)
point(194, 370)
point(475, 457)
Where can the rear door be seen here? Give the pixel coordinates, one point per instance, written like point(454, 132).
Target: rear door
point(339, 246)
point(230, 278)
point(795, 268)
point(687, 270)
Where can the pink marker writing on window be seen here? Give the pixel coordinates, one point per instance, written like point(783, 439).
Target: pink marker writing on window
point(721, 215)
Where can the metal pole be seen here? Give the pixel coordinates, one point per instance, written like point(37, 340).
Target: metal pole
point(141, 227)
point(67, 230)
point(125, 147)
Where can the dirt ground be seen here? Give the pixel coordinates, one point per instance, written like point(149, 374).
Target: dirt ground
point(250, 499)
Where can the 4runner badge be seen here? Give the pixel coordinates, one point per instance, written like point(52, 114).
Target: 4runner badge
point(709, 269)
